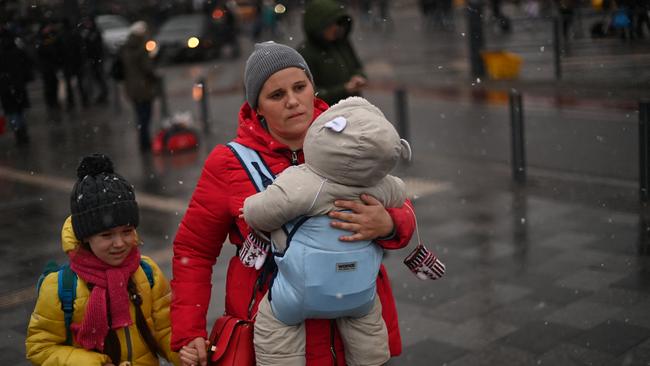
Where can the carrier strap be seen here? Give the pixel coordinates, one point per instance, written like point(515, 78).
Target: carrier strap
point(257, 171)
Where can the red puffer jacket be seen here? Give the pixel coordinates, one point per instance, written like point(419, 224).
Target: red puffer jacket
point(213, 214)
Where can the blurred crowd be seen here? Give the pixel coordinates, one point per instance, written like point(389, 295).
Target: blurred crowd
point(72, 59)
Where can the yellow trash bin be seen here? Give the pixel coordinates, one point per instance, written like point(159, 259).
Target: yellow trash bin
point(501, 65)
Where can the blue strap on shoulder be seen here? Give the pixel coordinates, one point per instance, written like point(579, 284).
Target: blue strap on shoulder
point(67, 293)
point(146, 267)
point(257, 170)
point(255, 167)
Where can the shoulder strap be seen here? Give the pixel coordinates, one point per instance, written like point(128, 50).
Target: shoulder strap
point(258, 172)
point(146, 267)
point(67, 293)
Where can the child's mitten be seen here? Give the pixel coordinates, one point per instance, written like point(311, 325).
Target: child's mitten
point(254, 250)
point(424, 264)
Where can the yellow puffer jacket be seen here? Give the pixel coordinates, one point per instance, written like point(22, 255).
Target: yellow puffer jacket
point(46, 333)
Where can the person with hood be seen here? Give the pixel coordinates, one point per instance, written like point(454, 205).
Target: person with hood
point(349, 151)
point(15, 72)
point(121, 310)
point(338, 72)
point(279, 108)
point(141, 82)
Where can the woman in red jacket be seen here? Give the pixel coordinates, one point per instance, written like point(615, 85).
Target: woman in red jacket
point(280, 105)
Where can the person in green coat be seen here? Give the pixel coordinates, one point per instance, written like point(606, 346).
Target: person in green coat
point(338, 72)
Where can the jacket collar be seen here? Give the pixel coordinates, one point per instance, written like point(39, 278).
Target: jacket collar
point(252, 133)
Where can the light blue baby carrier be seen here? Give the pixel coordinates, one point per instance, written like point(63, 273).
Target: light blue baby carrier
point(318, 275)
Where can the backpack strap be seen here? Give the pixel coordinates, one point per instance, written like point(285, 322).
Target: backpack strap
point(67, 293)
point(146, 267)
point(259, 174)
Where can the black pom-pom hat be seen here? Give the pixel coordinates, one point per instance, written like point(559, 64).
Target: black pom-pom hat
point(101, 199)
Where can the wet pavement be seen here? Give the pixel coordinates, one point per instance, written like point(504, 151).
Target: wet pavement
point(552, 272)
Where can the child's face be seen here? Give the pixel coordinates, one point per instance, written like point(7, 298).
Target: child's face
point(113, 245)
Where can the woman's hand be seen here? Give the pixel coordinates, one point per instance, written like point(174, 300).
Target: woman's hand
point(368, 220)
point(195, 353)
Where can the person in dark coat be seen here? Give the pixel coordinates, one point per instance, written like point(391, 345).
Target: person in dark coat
point(94, 46)
point(338, 72)
point(15, 73)
point(48, 51)
point(73, 62)
point(141, 82)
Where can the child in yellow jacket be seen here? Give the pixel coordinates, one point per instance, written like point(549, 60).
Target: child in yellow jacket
point(121, 306)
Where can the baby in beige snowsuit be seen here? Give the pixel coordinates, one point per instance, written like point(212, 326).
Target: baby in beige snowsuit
point(349, 150)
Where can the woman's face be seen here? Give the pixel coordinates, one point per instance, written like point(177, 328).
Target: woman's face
point(113, 245)
point(286, 102)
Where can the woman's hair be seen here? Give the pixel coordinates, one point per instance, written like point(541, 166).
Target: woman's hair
point(267, 59)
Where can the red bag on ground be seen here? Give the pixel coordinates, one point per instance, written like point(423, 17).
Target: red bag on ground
point(231, 342)
point(3, 123)
point(175, 139)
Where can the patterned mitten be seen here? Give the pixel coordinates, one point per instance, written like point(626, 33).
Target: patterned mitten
point(254, 250)
point(424, 264)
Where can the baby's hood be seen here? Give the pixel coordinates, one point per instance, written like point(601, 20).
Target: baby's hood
point(352, 143)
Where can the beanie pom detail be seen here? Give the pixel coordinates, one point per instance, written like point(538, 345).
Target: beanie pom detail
point(93, 165)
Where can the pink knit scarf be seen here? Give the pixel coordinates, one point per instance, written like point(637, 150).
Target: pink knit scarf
point(107, 280)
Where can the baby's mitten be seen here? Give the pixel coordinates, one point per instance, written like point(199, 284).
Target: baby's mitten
point(424, 264)
point(254, 250)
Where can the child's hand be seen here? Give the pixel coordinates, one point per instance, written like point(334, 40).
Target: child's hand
point(241, 213)
point(195, 353)
point(254, 250)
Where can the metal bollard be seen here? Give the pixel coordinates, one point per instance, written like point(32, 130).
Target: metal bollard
point(517, 137)
point(476, 42)
point(644, 149)
point(557, 51)
point(117, 96)
point(164, 107)
point(199, 94)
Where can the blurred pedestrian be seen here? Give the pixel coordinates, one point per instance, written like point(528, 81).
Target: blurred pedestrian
point(15, 73)
point(49, 51)
point(640, 16)
point(338, 72)
point(566, 9)
point(94, 47)
point(141, 82)
point(73, 64)
point(120, 299)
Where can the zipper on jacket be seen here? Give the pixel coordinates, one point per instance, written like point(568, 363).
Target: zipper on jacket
point(332, 325)
point(129, 348)
point(294, 158)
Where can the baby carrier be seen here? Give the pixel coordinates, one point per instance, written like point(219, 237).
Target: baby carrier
point(318, 276)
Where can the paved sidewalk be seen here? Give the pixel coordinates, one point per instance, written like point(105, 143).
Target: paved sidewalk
point(554, 272)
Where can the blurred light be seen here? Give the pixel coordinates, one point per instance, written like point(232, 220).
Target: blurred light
point(197, 91)
point(150, 45)
point(217, 14)
point(280, 9)
point(192, 42)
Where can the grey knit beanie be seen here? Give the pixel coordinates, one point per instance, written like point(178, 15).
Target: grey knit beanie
point(267, 59)
point(100, 199)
